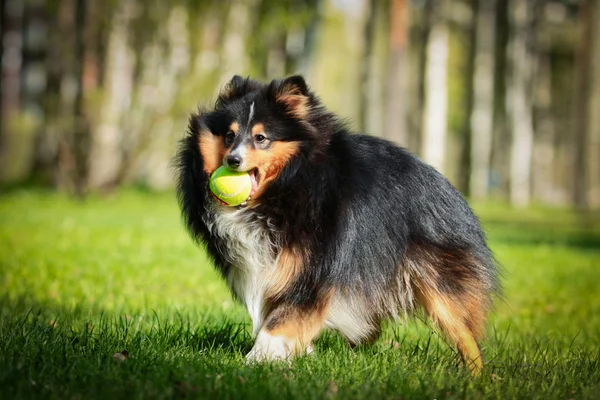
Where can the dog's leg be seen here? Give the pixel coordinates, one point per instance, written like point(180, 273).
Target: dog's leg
point(461, 317)
point(289, 330)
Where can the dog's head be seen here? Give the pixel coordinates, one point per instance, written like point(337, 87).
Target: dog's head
point(256, 127)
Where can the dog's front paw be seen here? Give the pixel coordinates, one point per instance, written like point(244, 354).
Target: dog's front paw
point(270, 348)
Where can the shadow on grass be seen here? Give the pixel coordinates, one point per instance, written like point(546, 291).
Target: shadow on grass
point(544, 233)
point(82, 325)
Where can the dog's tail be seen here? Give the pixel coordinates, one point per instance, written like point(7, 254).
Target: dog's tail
point(455, 287)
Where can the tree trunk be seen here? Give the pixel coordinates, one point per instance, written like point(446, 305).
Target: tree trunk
point(106, 152)
point(417, 112)
point(165, 131)
point(310, 38)
point(396, 93)
point(276, 57)
point(81, 126)
point(582, 104)
point(234, 57)
point(501, 139)
point(10, 80)
point(12, 47)
point(545, 149)
point(375, 106)
point(594, 113)
point(62, 126)
point(434, 116)
point(481, 119)
point(336, 67)
point(519, 100)
point(466, 133)
point(365, 72)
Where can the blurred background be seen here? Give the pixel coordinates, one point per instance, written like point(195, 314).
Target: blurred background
point(502, 96)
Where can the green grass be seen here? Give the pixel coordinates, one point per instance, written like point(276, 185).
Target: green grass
point(80, 282)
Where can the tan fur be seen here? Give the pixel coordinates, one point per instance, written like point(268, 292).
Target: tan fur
point(288, 265)
point(212, 149)
point(258, 128)
point(234, 127)
point(270, 162)
point(299, 325)
point(460, 317)
point(296, 104)
point(289, 89)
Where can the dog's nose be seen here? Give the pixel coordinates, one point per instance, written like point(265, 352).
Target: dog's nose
point(234, 161)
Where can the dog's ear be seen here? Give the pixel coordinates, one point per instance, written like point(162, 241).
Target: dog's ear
point(290, 86)
point(236, 88)
point(292, 93)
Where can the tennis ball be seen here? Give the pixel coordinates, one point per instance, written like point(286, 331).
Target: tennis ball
point(231, 187)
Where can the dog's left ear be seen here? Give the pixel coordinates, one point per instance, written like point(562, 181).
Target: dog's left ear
point(292, 93)
point(237, 88)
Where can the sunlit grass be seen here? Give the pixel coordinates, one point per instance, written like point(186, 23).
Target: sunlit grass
point(80, 282)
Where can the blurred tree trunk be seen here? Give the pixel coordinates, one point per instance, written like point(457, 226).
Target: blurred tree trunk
point(545, 149)
point(417, 111)
point(583, 102)
point(365, 72)
point(239, 26)
point(34, 80)
point(519, 98)
point(310, 38)
point(374, 107)
point(500, 161)
point(396, 93)
point(295, 35)
point(465, 142)
point(277, 57)
point(336, 66)
point(3, 22)
point(106, 150)
point(594, 111)
point(12, 44)
point(435, 111)
point(172, 70)
point(62, 123)
point(81, 124)
point(481, 118)
point(10, 81)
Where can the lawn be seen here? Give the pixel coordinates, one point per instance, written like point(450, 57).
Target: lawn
point(109, 298)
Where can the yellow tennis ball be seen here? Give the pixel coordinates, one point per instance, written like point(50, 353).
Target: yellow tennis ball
point(231, 187)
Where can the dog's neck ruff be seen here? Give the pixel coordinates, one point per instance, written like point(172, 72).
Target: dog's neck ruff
point(251, 251)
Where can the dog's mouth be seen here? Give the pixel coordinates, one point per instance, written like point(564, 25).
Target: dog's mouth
point(254, 179)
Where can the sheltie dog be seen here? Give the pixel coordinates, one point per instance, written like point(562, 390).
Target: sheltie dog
point(341, 230)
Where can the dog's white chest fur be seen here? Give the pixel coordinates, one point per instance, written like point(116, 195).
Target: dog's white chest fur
point(251, 254)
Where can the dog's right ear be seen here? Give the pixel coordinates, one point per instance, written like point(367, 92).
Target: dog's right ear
point(236, 88)
point(205, 141)
point(197, 122)
point(292, 94)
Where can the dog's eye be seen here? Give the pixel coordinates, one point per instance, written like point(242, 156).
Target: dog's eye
point(229, 138)
point(260, 138)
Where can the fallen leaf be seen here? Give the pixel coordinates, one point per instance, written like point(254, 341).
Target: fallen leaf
point(122, 356)
point(496, 378)
point(332, 389)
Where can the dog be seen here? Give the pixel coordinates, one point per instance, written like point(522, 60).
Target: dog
point(341, 230)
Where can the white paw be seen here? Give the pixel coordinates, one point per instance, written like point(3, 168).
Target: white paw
point(270, 348)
